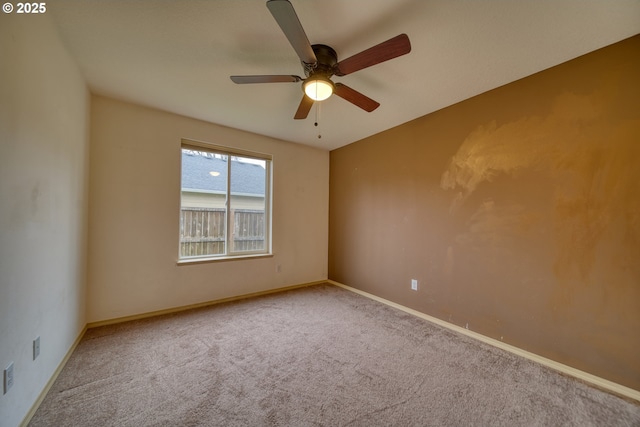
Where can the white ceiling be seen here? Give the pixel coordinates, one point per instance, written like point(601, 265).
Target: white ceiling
point(178, 55)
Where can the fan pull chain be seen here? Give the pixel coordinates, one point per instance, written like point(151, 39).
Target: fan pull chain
point(317, 120)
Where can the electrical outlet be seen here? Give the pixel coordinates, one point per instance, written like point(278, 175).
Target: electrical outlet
point(414, 284)
point(8, 377)
point(36, 348)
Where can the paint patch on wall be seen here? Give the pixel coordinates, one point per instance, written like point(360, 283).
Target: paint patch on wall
point(495, 227)
point(589, 151)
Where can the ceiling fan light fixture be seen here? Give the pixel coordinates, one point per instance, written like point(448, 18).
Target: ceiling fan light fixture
point(318, 88)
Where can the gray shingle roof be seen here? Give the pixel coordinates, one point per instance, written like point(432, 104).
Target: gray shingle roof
point(247, 178)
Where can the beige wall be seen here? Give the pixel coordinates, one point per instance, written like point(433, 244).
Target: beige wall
point(44, 118)
point(518, 211)
point(135, 207)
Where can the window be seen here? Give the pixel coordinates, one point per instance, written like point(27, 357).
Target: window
point(225, 208)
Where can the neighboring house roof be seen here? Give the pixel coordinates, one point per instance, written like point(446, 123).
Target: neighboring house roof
point(247, 178)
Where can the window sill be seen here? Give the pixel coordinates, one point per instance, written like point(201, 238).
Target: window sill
point(189, 261)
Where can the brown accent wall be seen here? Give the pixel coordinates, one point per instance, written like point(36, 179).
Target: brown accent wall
point(518, 211)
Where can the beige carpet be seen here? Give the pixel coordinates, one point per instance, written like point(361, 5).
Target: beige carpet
point(317, 356)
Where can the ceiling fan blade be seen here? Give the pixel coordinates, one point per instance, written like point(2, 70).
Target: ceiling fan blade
point(266, 79)
point(288, 21)
point(355, 97)
point(392, 48)
point(304, 108)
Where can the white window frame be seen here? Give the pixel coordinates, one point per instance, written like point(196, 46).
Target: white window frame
point(230, 152)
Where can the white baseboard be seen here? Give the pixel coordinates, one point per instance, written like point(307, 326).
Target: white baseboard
point(198, 305)
point(27, 419)
point(565, 369)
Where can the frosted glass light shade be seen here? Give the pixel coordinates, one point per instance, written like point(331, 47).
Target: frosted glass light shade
point(318, 89)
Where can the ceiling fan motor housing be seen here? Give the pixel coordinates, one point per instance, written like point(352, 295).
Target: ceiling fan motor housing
point(327, 58)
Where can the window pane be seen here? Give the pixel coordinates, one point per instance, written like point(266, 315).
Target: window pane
point(203, 197)
point(225, 202)
point(247, 204)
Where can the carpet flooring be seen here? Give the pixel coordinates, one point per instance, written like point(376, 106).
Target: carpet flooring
point(316, 356)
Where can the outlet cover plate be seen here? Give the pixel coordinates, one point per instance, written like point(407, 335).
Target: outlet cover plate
point(414, 284)
point(8, 377)
point(36, 348)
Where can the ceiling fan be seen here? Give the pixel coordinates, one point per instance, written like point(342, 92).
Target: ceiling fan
point(320, 62)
